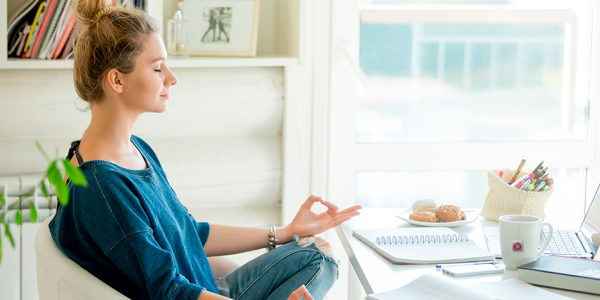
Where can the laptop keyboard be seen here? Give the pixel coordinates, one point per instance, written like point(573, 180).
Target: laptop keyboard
point(564, 242)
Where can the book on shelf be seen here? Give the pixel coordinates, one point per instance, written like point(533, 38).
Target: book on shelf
point(422, 245)
point(20, 42)
point(60, 27)
point(48, 15)
point(437, 286)
point(50, 31)
point(35, 25)
point(64, 37)
point(46, 29)
point(66, 52)
point(22, 12)
point(581, 275)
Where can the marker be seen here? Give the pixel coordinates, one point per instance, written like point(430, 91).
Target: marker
point(538, 166)
point(525, 184)
point(519, 185)
point(522, 179)
point(517, 172)
point(546, 188)
point(487, 262)
point(541, 174)
point(501, 174)
point(539, 186)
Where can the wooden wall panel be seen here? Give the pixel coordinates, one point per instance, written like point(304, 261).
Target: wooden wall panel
point(219, 142)
point(223, 172)
point(205, 102)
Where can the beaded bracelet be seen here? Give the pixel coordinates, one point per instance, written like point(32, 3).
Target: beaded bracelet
point(272, 238)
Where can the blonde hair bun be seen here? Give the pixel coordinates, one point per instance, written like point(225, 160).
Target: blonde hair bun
point(86, 12)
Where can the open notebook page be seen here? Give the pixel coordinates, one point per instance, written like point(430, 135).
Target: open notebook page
point(438, 287)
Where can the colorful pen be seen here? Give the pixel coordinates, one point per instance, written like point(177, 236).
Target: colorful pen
point(540, 186)
point(517, 172)
point(525, 184)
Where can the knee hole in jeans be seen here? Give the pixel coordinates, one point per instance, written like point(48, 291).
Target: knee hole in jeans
point(320, 243)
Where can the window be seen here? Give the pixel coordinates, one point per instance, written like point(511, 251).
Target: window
point(455, 89)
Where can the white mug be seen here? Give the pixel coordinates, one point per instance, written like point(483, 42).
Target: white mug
point(520, 239)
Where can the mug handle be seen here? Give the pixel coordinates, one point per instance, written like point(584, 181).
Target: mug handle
point(548, 239)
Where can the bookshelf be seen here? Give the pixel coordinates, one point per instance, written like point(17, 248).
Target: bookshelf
point(278, 38)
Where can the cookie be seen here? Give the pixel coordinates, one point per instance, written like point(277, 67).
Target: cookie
point(424, 216)
point(425, 204)
point(462, 215)
point(448, 213)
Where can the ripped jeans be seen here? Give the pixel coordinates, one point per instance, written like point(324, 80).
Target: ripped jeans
point(276, 274)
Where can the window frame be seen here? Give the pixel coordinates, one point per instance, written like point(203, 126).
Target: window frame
point(345, 157)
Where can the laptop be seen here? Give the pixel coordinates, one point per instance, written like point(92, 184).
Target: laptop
point(565, 242)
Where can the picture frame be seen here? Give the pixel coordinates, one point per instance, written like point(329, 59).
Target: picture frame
point(222, 27)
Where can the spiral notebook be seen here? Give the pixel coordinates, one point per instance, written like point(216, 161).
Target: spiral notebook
point(422, 245)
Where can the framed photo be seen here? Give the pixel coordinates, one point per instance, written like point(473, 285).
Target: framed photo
point(221, 27)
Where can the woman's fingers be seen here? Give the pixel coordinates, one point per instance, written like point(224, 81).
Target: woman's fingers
point(331, 208)
point(351, 209)
point(340, 214)
point(339, 221)
point(343, 216)
point(310, 201)
point(299, 293)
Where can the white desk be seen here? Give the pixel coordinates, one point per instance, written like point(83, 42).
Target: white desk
point(379, 275)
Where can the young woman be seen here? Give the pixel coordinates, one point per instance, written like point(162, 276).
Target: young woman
point(127, 227)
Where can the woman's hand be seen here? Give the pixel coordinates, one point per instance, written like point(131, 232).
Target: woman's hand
point(307, 223)
point(299, 293)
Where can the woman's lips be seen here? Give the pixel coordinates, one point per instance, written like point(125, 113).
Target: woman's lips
point(165, 96)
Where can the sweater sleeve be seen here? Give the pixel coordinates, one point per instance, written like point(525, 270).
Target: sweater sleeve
point(152, 268)
point(203, 229)
point(119, 225)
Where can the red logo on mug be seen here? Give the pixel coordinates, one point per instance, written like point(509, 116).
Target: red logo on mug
point(517, 246)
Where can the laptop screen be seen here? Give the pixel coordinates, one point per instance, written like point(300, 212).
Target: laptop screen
point(591, 224)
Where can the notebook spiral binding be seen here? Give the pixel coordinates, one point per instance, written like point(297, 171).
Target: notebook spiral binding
point(421, 239)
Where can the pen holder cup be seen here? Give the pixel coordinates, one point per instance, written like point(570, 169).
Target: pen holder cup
point(503, 199)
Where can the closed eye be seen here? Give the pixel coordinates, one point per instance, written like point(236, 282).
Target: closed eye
point(159, 70)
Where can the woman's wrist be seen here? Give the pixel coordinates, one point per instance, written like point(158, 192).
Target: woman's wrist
point(285, 234)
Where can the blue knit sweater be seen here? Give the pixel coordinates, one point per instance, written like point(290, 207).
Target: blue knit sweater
point(128, 228)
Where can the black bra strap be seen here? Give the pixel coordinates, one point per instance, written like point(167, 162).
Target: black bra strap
point(74, 150)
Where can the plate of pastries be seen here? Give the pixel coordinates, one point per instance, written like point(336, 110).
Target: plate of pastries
point(426, 212)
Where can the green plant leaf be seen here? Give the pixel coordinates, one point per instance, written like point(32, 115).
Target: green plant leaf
point(56, 180)
point(33, 213)
point(8, 235)
point(39, 146)
point(44, 189)
point(2, 200)
point(18, 217)
point(74, 173)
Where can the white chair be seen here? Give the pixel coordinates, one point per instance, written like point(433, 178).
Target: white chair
point(59, 278)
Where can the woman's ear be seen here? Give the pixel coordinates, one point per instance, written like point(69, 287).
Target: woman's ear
point(114, 78)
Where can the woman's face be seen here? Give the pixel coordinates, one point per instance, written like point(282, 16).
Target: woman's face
point(147, 88)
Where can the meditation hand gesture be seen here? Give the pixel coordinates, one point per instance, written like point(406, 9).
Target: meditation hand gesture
point(307, 223)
